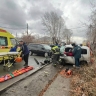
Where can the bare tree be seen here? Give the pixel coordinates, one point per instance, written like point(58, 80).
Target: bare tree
point(53, 24)
point(91, 33)
point(66, 35)
point(27, 37)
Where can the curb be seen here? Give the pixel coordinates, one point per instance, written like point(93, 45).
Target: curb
point(9, 83)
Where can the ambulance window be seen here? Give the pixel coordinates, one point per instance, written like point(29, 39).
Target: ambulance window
point(3, 41)
point(13, 41)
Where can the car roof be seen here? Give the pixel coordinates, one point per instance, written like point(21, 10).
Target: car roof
point(69, 46)
point(45, 44)
point(37, 44)
point(84, 47)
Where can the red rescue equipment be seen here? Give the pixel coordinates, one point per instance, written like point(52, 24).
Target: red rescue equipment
point(18, 59)
point(15, 73)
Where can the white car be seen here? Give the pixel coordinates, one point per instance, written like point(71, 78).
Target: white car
point(85, 55)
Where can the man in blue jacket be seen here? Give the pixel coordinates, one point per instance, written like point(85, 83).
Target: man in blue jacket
point(25, 52)
point(14, 49)
point(77, 54)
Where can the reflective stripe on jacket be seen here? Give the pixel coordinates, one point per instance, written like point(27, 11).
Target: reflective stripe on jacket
point(56, 50)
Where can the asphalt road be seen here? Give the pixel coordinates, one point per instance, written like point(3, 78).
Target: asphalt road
point(20, 65)
point(34, 84)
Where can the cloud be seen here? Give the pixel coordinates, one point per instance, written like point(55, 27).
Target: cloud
point(15, 13)
point(39, 7)
point(36, 10)
point(77, 13)
point(77, 39)
point(11, 13)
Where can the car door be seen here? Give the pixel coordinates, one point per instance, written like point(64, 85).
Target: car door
point(41, 49)
point(85, 55)
point(33, 48)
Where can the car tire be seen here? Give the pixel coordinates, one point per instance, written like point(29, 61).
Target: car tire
point(45, 54)
point(31, 53)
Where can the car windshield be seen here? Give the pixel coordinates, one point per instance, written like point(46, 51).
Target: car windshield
point(13, 41)
point(47, 47)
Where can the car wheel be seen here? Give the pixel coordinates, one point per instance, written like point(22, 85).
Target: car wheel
point(45, 54)
point(31, 53)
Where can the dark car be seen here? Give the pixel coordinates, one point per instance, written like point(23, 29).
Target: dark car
point(40, 49)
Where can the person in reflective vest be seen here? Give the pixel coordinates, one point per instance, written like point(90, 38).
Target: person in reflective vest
point(56, 54)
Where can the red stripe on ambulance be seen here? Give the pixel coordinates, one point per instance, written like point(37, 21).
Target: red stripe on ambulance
point(1, 30)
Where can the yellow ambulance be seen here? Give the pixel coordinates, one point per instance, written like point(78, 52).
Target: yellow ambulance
point(7, 40)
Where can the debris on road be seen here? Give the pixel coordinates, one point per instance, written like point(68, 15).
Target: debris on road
point(66, 73)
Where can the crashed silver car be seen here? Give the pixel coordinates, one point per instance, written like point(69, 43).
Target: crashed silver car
point(85, 55)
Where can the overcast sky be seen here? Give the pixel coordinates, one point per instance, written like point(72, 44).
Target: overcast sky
point(14, 14)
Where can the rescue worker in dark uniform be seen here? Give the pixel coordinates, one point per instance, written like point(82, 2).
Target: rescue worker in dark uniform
point(77, 54)
point(25, 52)
point(55, 54)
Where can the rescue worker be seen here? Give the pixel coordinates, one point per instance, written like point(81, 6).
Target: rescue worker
point(55, 54)
point(13, 49)
point(77, 54)
point(25, 52)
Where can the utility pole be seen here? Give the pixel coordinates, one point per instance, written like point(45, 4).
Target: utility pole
point(27, 28)
point(16, 34)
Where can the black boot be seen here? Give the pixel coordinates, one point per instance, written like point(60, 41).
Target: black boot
point(25, 64)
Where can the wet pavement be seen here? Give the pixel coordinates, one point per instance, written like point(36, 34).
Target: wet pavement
point(20, 65)
point(34, 84)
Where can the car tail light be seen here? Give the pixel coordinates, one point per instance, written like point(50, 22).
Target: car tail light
point(65, 52)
